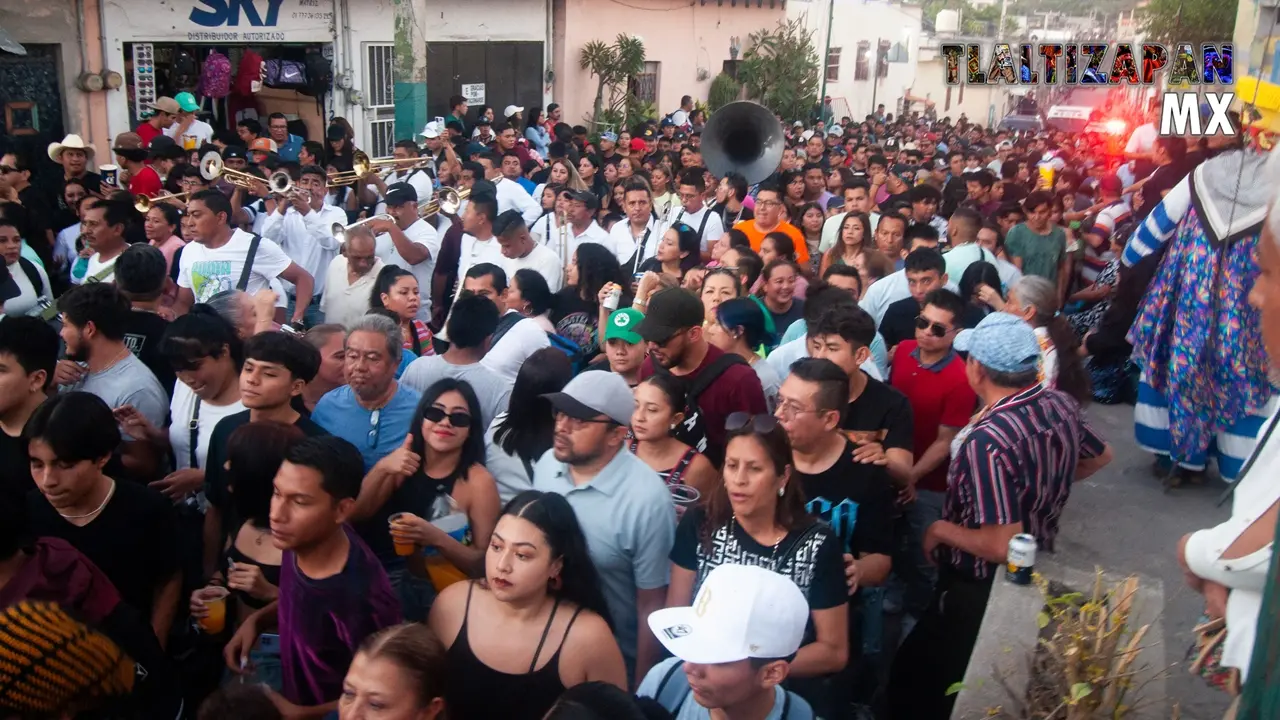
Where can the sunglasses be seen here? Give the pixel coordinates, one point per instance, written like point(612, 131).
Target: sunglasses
point(936, 329)
point(7, 169)
point(457, 419)
point(760, 424)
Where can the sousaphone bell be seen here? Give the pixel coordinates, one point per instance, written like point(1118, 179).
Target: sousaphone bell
point(744, 138)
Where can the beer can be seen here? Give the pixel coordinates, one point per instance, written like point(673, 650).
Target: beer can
point(1022, 559)
point(611, 300)
point(110, 175)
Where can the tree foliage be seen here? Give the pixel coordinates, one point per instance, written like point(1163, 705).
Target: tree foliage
point(1193, 21)
point(973, 21)
point(613, 65)
point(724, 90)
point(779, 69)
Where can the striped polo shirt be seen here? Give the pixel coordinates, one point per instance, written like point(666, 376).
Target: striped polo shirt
point(1016, 464)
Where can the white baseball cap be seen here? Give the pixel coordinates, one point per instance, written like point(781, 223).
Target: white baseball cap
point(512, 110)
point(431, 131)
point(741, 611)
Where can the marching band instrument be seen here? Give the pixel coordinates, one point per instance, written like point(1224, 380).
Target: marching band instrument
point(362, 166)
point(446, 201)
point(564, 248)
point(212, 168)
point(280, 183)
point(142, 203)
point(745, 138)
point(339, 230)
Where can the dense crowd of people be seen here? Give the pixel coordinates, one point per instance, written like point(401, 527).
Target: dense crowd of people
point(688, 446)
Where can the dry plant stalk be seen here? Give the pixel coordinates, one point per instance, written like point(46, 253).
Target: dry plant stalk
point(1083, 665)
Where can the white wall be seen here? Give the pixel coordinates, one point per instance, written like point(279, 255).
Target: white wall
point(853, 21)
point(486, 20)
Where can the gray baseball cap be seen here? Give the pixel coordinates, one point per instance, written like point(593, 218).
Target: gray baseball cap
point(592, 394)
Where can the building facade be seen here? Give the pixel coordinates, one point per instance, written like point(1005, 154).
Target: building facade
point(686, 45)
point(872, 54)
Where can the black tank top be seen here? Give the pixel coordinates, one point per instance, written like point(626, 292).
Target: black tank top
point(673, 475)
point(269, 572)
point(479, 691)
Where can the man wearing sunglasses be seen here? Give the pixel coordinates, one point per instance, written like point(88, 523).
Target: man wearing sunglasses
point(926, 271)
point(929, 372)
point(624, 507)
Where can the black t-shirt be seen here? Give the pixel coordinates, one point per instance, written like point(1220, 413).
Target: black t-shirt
point(1164, 178)
point(215, 473)
point(15, 471)
point(856, 500)
point(782, 321)
point(899, 322)
point(880, 414)
point(65, 216)
point(889, 202)
point(577, 319)
point(812, 557)
point(142, 333)
point(134, 540)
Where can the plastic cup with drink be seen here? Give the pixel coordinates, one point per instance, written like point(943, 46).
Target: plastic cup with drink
point(214, 598)
point(403, 547)
point(684, 497)
point(1046, 176)
point(110, 175)
point(442, 572)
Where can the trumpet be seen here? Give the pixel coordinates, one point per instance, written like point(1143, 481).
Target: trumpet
point(447, 201)
point(212, 168)
point(362, 166)
point(339, 230)
point(142, 203)
point(281, 185)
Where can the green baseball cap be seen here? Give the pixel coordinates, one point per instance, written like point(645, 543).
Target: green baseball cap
point(187, 102)
point(622, 325)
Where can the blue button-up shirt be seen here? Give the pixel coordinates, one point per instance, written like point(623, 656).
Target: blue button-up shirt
point(290, 149)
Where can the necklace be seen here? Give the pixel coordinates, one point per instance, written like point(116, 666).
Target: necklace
point(95, 511)
point(773, 555)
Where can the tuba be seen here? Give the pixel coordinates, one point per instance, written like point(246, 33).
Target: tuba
point(744, 138)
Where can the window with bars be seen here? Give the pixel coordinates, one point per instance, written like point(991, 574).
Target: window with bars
point(645, 85)
point(862, 66)
point(379, 84)
point(882, 59)
point(833, 64)
point(382, 137)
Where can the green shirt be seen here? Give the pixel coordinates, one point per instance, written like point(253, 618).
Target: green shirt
point(1041, 254)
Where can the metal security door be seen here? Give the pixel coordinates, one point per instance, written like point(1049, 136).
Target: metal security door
point(511, 73)
point(31, 96)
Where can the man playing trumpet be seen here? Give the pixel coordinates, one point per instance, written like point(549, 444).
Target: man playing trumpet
point(302, 225)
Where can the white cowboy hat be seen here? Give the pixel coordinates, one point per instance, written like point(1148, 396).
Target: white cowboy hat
point(70, 142)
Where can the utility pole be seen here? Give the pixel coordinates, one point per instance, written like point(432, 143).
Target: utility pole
point(826, 53)
point(875, 75)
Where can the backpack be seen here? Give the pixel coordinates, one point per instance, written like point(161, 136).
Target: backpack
point(215, 76)
point(249, 74)
point(184, 73)
point(33, 275)
point(319, 75)
point(693, 431)
point(576, 359)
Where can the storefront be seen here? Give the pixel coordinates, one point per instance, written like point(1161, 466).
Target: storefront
point(310, 70)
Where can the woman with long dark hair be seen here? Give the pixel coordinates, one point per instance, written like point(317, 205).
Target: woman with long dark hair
point(516, 440)
point(812, 216)
point(396, 289)
point(740, 327)
point(792, 183)
point(980, 290)
point(530, 296)
point(536, 133)
point(757, 517)
point(660, 403)
point(1035, 300)
point(854, 235)
point(536, 626)
point(577, 308)
point(677, 253)
point(434, 494)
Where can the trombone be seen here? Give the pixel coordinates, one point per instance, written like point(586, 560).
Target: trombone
point(362, 166)
point(142, 203)
point(339, 231)
point(212, 168)
point(281, 185)
point(446, 201)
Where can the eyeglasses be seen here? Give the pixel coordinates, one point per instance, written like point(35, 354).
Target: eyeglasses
point(768, 203)
point(575, 423)
point(374, 425)
point(457, 419)
point(936, 329)
point(760, 424)
point(789, 411)
point(7, 169)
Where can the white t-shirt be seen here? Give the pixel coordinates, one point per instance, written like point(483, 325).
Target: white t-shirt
point(1143, 139)
point(714, 227)
point(594, 234)
point(889, 290)
point(543, 260)
point(420, 181)
point(475, 252)
point(65, 247)
point(345, 302)
point(307, 239)
point(27, 302)
point(640, 247)
point(513, 197)
point(680, 118)
point(207, 272)
point(200, 130)
point(514, 347)
point(419, 233)
point(546, 230)
point(182, 412)
point(95, 266)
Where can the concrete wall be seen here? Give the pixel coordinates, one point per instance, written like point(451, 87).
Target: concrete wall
point(685, 38)
point(58, 22)
point(494, 21)
point(975, 101)
point(854, 21)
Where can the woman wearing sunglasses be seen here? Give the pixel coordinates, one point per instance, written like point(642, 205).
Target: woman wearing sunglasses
point(444, 501)
point(757, 517)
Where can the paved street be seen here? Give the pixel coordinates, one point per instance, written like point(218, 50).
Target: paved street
point(1123, 520)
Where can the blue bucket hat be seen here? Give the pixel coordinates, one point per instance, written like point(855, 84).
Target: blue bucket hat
point(1001, 342)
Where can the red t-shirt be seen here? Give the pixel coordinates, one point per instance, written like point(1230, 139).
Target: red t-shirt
point(737, 389)
point(147, 132)
point(56, 572)
point(146, 182)
point(939, 395)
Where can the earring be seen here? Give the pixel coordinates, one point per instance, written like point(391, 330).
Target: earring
point(782, 490)
point(673, 427)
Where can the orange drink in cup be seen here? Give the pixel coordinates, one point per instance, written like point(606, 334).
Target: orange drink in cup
point(403, 548)
point(214, 598)
point(1046, 177)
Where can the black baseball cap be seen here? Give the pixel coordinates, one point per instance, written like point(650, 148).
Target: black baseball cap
point(234, 151)
point(670, 311)
point(586, 197)
point(400, 193)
